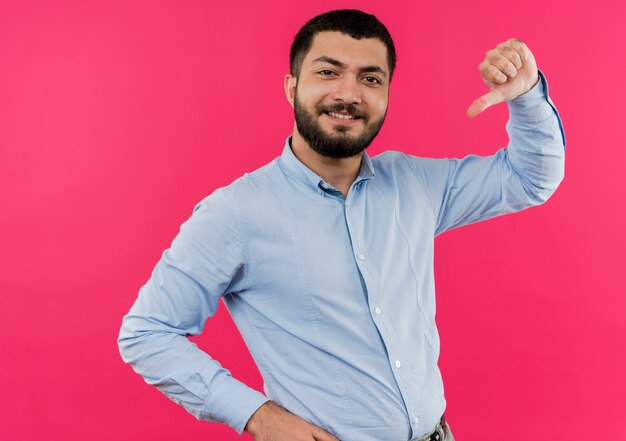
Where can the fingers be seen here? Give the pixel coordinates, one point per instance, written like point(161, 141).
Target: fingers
point(320, 434)
point(498, 68)
point(492, 73)
point(521, 48)
point(324, 437)
point(514, 57)
point(504, 61)
point(484, 102)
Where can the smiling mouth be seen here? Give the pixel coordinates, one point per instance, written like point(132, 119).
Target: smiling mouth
point(342, 116)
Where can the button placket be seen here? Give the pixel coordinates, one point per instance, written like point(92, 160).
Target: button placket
point(351, 213)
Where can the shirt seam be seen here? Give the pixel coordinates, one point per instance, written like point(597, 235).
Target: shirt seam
point(246, 238)
point(411, 265)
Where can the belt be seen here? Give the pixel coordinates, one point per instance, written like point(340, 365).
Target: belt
point(438, 434)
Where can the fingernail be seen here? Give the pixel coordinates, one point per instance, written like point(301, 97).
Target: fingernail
point(502, 77)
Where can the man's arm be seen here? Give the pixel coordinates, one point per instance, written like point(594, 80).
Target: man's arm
point(205, 261)
point(524, 174)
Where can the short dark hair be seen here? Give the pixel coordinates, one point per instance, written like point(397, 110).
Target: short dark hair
point(357, 24)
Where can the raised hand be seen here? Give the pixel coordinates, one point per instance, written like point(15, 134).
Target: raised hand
point(272, 422)
point(509, 70)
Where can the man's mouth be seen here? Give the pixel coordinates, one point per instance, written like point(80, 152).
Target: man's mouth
point(342, 116)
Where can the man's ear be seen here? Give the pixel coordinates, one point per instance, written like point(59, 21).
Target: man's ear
point(290, 88)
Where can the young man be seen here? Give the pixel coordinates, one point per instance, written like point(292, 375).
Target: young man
point(324, 257)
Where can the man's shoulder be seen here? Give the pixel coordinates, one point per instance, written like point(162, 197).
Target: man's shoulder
point(396, 157)
point(247, 187)
point(394, 161)
point(389, 157)
point(256, 177)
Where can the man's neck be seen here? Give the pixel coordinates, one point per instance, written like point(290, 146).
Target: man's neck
point(338, 172)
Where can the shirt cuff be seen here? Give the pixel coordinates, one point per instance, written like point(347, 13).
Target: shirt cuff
point(535, 105)
point(531, 105)
point(233, 403)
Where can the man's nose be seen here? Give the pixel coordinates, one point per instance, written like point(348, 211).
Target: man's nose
point(348, 90)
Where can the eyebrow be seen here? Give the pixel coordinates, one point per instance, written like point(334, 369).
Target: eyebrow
point(329, 60)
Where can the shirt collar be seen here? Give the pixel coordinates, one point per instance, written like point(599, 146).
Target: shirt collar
point(296, 169)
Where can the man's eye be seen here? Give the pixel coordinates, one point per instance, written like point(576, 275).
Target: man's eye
point(372, 80)
point(326, 72)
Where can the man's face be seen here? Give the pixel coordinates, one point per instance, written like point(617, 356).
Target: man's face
point(340, 97)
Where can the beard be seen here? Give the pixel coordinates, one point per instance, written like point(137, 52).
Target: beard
point(338, 144)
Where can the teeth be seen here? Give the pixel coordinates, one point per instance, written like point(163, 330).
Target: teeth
point(339, 115)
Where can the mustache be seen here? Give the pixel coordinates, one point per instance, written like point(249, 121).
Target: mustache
point(339, 107)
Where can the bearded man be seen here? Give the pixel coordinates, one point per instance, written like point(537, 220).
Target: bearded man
point(324, 257)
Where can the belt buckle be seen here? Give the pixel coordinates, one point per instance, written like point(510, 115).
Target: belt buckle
point(438, 434)
point(435, 436)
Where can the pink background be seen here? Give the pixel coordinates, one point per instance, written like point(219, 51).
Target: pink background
point(116, 117)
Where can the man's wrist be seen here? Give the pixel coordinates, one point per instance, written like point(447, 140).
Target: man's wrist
point(255, 417)
point(532, 88)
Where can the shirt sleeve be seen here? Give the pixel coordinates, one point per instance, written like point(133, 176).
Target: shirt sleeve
point(524, 174)
point(205, 261)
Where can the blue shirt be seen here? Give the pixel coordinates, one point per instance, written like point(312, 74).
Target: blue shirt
point(334, 296)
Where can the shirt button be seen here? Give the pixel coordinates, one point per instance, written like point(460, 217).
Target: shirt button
point(416, 420)
point(361, 256)
point(378, 310)
point(398, 364)
point(348, 204)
